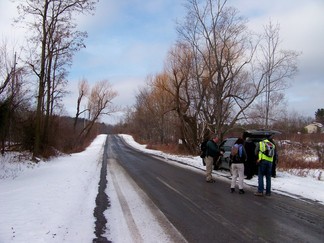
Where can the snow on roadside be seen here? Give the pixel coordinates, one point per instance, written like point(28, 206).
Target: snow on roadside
point(53, 201)
point(309, 187)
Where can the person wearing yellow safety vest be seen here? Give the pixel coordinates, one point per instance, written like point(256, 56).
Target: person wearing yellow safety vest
point(264, 161)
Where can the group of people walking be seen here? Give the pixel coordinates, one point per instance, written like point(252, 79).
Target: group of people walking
point(264, 152)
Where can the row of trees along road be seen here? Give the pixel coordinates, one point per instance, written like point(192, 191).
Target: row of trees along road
point(52, 40)
point(217, 74)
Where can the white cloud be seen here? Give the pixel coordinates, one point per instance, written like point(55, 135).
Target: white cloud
point(129, 40)
point(10, 34)
point(302, 30)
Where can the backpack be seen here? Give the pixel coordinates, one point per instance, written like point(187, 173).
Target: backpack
point(235, 153)
point(203, 148)
point(269, 149)
point(234, 150)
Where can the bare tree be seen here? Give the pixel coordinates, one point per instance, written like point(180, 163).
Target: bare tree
point(159, 103)
point(214, 74)
point(223, 50)
point(13, 96)
point(277, 66)
point(180, 87)
point(154, 111)
point(228, 75)
point(54, 36)
point(7, 67)
point(83, 93)
point(99, 103)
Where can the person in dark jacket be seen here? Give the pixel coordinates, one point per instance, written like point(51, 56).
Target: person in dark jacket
point(212, 152)
point(275, 160)
point(250, 166)
point(203, 148)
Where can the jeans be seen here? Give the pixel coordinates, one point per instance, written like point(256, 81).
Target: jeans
point(265, 168)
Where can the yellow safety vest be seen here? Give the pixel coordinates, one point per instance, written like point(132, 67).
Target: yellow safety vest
point(262, 149)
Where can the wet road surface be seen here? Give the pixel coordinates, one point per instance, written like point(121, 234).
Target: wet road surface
point(208, 212)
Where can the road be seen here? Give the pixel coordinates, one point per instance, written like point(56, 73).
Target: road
point(208, 212)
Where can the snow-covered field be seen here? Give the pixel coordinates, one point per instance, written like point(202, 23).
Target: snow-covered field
point(54, 201)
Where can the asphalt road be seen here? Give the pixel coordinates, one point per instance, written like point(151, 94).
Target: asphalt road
point(208, 212)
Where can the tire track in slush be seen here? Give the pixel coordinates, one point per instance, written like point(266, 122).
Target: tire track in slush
point(132, 227)
point(102, 201)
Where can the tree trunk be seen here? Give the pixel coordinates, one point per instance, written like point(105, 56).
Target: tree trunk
point(41, 88)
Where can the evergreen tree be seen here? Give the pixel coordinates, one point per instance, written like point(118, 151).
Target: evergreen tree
point(319, 115)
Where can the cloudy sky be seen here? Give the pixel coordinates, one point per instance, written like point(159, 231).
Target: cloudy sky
point(128, 40)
